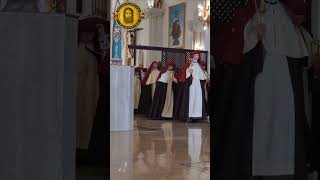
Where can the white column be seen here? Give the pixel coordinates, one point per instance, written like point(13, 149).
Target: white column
point(155, 32)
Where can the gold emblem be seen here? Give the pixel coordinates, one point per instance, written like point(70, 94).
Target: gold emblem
point(128, 15)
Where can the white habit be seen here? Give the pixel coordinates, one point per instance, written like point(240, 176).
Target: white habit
point(195, 90)
point(274, 113)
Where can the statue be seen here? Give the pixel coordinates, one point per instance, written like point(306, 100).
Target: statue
point(22, 5)
point(133, 40)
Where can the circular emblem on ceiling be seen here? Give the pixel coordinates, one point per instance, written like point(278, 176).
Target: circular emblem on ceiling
point(128, 15)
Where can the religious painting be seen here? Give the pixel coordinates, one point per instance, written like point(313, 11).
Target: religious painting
point(177, 26)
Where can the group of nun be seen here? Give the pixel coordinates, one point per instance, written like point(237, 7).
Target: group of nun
point(169, 93)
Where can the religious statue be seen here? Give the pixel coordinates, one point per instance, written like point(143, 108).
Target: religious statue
point(132, 38)
point(22, 5)
point(132, 42)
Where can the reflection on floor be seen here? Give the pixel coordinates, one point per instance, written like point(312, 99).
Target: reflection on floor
point(161, 150)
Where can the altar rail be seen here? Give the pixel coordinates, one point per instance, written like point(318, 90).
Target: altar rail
point(178, 56)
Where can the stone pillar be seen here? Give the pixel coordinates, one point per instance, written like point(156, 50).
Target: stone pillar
point(155, 17)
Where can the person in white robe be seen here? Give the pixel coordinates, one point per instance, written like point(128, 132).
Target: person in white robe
point(279, 115)
point(193, 105)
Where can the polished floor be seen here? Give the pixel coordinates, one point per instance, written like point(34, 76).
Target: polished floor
point(161, 150)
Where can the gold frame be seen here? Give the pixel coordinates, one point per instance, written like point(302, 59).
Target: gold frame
point(184, 25)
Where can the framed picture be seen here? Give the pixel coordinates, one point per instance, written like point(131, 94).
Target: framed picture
point(177, 14)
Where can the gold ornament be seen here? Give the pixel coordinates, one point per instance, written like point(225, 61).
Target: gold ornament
point(128, 15)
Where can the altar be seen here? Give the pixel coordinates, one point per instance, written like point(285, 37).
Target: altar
point(37, 107)
point(121, 98)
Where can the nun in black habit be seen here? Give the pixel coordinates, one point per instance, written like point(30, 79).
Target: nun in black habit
point(148, 85)
point(163, 100)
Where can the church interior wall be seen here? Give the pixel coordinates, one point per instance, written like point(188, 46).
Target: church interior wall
point(87, 9)
point(143, 39)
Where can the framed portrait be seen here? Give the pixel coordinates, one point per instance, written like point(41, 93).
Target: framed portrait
point(177, 14)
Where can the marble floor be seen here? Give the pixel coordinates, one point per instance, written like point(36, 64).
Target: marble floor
point(161, 150)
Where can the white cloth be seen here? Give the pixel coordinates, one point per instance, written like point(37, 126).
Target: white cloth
point(195, 91)
point(273, 132)
point(250, 35)
point(152, 79)
point(153, 76)
point(164, 77)
point(274, 115)
point(197, 71)
point(279, 31)
point(167, 78)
